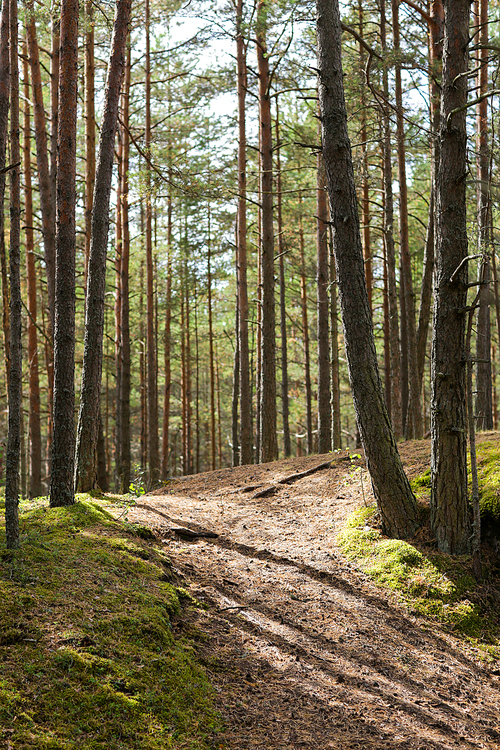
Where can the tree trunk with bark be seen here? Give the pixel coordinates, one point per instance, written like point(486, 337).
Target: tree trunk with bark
point(268, 442)
point(449, 505)
point(4, 125)
point(246, 441)
point(88, 419)
point(13, 455)
point(152, 399)
point(413, 418)
point(484, 394)
point(391, 488)
point(322, 273)
point(35, 437)
point(63, 443)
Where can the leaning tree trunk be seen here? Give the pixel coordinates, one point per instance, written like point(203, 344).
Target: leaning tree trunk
point(88, 419)
point(449, 504)
point(391, 488)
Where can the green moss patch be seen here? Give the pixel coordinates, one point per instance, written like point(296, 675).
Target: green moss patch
point(87, 656)
point(430, 583)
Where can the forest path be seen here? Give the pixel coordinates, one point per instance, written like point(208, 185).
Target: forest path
point(303, 650)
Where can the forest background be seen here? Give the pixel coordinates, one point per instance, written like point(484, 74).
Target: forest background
point(175, 255)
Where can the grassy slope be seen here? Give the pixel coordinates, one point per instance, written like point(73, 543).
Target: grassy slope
point(87, 658)
point(437, 586)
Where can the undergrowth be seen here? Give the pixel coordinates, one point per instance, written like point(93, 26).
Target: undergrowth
point(87, 655)
point(432, 584)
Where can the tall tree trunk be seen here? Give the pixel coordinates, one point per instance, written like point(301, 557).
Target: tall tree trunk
point(287, 446)
point(268, 444)
point(334, 355)
point(63, 443)
point(211, 347)
point(89, 128)
point(246, 441)
point(4, 125)
point(324, 411)
point(390, 486)
point(305, 333)
point(388, 228)
point(153, 441)
point(484, 399)
point(124, 470)
point(47, 204)
point(413, 420)
point(365, 184)
point(35, 437)
point(13, 455)
point(54, 96)
point(234, 401)
point(88, 418)
point(449, 505)
point(167, 342)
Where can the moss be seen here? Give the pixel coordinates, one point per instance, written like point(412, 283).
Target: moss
point(433, 585)
point(101, 668)
point(488, 465)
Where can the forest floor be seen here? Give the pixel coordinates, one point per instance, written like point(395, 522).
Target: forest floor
point(304, 651)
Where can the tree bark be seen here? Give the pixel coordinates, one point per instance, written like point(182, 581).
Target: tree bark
point(13, 455)
point(152, 400)
point(388, 229)
point(88, 418)
point(89, 129)
point(268, 442)
point(4, 124)
point(63, 442)
point(449, 505)
point(391, 488)
point(287, 446)
point(246, 441)
point(413, 420)
point(324, 410)
point(305, 333)
point(484, 397)
point(35, 437)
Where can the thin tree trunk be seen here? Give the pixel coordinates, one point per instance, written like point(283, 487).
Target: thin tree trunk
point(449, 502)
point(305, 333)
point(47, 203)
point(89, 128)
point(54, 97)
point(246, 441)
point(124, 471)
point(365, 185)
point(88, 419)
point(234, 401)
point(388, 228)
point(324, 410)
point(287, 446)
point(153, 442)
point(334, 356)
point(268, 443)
point(484, 400)
point(390, 486)
point(168, 342)
point(4, 124)
point(413, 421)
point(211, 347)
point(13, 455)
point(35, 437)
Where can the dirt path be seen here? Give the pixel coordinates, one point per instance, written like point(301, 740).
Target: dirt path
point(304, 651)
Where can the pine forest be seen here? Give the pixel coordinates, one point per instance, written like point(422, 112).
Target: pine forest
point(170, 299)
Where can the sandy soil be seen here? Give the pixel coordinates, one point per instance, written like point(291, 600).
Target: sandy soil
point(303, 650)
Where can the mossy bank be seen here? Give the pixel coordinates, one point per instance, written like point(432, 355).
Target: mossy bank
point(88, 659)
